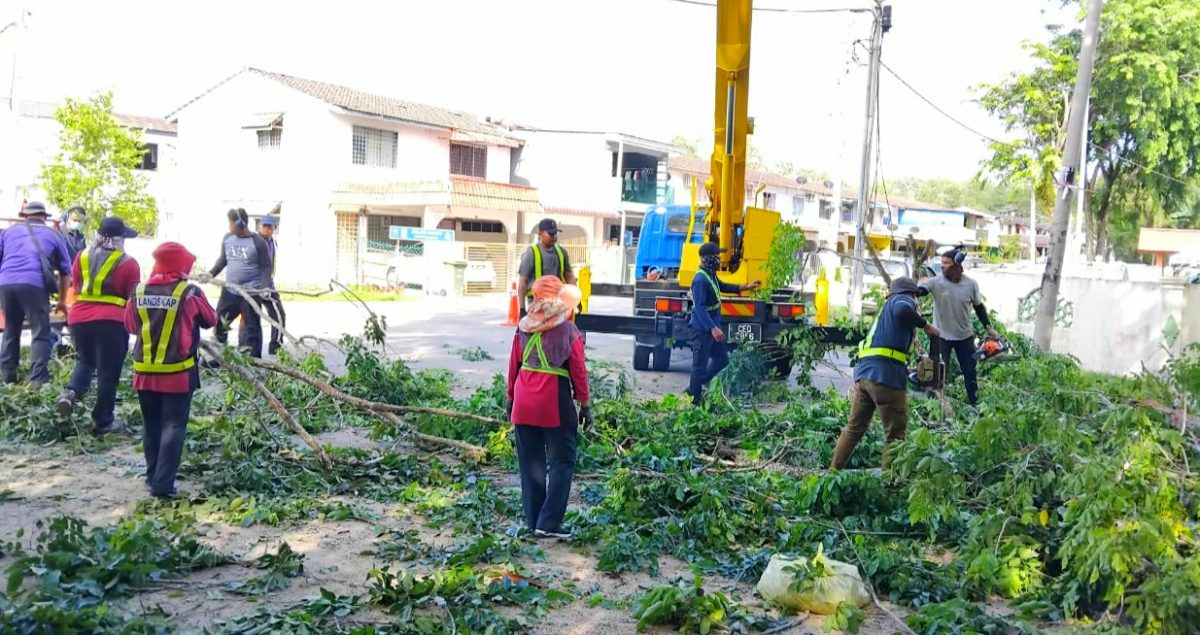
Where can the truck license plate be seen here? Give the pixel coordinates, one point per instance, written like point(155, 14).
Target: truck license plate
point(745, 333)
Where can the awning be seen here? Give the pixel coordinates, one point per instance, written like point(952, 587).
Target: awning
point(485, 195)
point(350, 197)
point(589, 213)
point(1168, 241)
point(263, 121)
point(470, 136)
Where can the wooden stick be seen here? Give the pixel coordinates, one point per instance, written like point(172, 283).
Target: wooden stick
point(255, 306)
point(215, 353)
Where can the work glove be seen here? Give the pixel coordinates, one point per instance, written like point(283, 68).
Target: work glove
point(992, 333)
point(508, 406)
point(585, 417)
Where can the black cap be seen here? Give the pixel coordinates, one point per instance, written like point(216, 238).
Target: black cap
point(33, 208)
point(113, 227)
point(903, 284)
point(549, 226)
point(710, 249)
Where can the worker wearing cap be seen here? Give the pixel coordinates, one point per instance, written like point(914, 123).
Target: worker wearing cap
point(30, 256)
point(881, 372)
point(709, 355)
point(105, 277)
point(954, 296)
point(543, 258)
point(272, 303)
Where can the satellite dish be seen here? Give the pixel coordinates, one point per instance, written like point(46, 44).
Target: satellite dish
point(802, 179)
point(893, 227)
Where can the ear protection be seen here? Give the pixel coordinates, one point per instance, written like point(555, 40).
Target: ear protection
point(959, 256)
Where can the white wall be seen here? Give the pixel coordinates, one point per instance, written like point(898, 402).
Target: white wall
point(499, 163)
point(570, 170)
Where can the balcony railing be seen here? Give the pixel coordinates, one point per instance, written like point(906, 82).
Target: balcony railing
point(644, 191)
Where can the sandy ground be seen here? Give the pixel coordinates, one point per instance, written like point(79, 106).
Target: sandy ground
point(101, 487)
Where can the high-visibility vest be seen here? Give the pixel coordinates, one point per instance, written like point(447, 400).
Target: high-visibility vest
point(95, 265)
point(157, 350)
point(865, 348)
point(537, 265)
point(716, 291)
point(535, 344)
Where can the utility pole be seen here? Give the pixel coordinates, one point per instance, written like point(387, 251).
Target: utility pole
point(882, 24)
point(1043, 326)
point(1076, 239)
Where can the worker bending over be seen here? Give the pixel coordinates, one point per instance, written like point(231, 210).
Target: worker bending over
point(105, 278)
point(954, 296)
point(709, 355)
point(881, 372)
point(543, 258)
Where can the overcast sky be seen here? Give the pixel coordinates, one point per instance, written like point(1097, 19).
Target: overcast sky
point(639, 66)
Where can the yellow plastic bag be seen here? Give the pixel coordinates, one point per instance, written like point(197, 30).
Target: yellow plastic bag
point(817, 585)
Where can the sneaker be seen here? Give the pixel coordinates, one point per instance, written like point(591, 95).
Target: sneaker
point(169, 496)
point(116, 426)
point(562, 533)
point(66, 402)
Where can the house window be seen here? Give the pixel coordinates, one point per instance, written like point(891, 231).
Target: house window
point(149, 157)
point(482, 227)
point(468, 160)
point(846, 214)
point(378, 227)
point(768, 200)
point(797, 205)
point(374, 147)
point(270, 139)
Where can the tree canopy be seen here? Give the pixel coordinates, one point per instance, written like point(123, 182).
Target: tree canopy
point(1143, 122)
point(96, 166)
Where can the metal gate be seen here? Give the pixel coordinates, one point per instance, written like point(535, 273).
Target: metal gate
point(347, 248)
point(492, 267)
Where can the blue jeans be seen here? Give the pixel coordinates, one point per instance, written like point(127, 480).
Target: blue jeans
point(547, 461)
point(709, 357)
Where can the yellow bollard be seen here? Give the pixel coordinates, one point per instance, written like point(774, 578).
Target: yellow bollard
point(822, 299)
point(585, 285)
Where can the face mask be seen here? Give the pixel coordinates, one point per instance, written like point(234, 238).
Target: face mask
point(710, 262)
point(75, 225)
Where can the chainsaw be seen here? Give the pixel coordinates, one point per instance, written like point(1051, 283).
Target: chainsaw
point(991, 349)
point(923, 375)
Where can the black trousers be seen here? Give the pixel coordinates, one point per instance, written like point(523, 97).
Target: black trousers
point(274, 307)
point(546, 457)
point(963, 350)
point(229, 307)
point(164, 429)
point(709, 357)
point(100, 349)
point(21, 301)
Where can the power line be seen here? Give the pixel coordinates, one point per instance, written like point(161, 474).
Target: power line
point(700, 3)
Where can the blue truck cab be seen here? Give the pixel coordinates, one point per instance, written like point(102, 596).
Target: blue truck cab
point(660, 244)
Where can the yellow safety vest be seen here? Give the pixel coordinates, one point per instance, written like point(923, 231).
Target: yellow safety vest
point(535, 343)
point(716, 291)
point(151, 357)
point(866, 350)
point(537, 265)
point(92, 286)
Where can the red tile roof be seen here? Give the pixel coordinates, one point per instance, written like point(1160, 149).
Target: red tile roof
point(479, 194)
point(156, 124)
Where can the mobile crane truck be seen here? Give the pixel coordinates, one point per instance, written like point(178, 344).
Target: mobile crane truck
point(662, 306)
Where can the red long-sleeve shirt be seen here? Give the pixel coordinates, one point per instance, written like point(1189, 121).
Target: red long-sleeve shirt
point(536, 396)
point(124, 278)
point(195, 311)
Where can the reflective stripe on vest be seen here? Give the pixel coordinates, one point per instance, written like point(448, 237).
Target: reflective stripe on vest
point(92, 287)
point(537, 265)
point(866, 350)
point(154, 350)
point(716, 291)
point(535, 343)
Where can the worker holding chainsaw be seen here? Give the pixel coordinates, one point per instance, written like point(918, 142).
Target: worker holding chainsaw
point(881, 372)
point(954, 296)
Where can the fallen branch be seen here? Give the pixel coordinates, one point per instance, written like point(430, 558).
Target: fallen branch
point(215, 353)
point(476, 452)
point(248, 294)
point(870, 587)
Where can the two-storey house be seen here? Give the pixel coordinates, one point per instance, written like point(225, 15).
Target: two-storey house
point(344, 170)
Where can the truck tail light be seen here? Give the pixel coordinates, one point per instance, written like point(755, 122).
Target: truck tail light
point(789, 311)
point(668, 305)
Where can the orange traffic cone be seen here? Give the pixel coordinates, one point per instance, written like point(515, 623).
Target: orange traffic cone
point(514, 313)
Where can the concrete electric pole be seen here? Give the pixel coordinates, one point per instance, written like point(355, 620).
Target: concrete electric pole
point(1043, 326)
point(882, 24)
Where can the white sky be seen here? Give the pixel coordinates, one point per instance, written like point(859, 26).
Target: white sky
point(639, 66)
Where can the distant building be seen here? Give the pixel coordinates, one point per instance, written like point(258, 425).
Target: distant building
point(1169, 244)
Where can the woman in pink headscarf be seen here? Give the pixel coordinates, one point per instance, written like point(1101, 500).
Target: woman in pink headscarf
point(547, 374)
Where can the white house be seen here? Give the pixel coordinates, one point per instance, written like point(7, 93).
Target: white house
point(30, 139)
point(339, 167)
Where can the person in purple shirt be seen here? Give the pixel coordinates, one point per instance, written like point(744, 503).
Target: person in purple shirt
point(25, 294)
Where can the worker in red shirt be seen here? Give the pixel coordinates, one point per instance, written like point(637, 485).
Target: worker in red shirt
point(105, 277)
point(547, 374)
point(166, 315)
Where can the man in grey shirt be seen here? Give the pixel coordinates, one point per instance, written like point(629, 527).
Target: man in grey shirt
point(543, 258)
point(246, 259)
point(954, 297)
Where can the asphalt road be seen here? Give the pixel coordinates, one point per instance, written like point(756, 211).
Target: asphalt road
point(438, 332)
